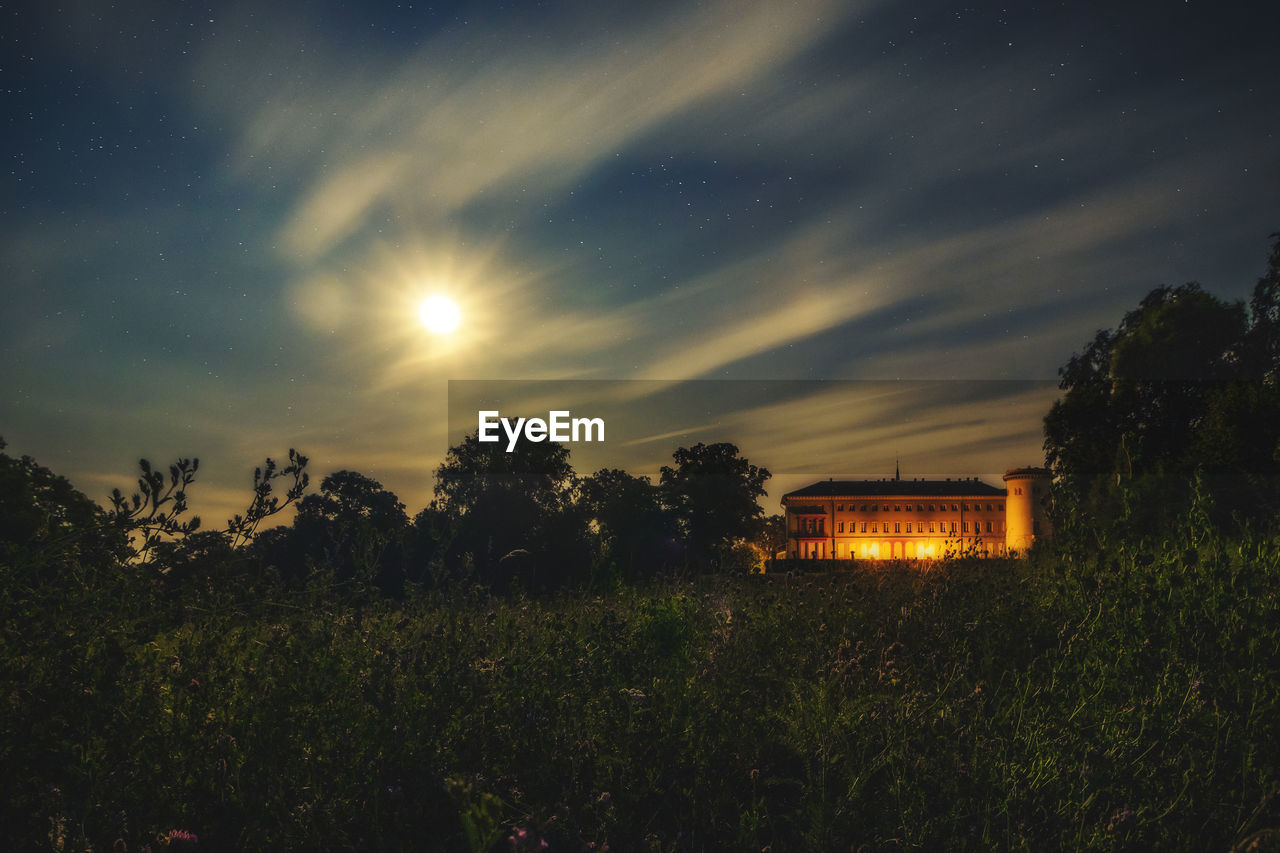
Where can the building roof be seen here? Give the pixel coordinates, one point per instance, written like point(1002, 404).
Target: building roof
point(896, 488)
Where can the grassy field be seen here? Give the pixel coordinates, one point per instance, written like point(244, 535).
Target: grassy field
point(1120, 702)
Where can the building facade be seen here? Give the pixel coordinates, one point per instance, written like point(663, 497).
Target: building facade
point(916, 519)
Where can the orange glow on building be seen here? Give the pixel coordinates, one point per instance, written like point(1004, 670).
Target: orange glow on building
point(917, 519)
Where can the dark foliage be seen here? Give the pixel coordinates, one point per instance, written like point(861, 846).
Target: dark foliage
point(713, 493)
point(1184, 391)
point(494, 503)
point(637, 534)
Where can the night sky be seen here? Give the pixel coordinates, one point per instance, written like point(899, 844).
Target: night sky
point(219, 222)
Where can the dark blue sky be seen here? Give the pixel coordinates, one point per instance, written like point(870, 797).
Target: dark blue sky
point(219, 221)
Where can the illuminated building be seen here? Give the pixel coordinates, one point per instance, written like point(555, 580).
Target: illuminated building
point(916, 519)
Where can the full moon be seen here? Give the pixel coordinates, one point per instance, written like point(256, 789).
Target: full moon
point(439, 314)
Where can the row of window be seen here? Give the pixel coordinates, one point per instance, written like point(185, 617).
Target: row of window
point(887, 550)
point(975, 507)
point(817, 526)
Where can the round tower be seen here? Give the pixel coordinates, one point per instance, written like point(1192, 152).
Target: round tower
point(1025, 515)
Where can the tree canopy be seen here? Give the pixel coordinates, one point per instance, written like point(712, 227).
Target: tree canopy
point(1182, 393)
point(713, 492)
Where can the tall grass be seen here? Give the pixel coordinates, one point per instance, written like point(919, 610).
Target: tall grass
point(1126, 700)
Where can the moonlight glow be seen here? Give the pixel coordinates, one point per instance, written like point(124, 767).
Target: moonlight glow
point(439, 314)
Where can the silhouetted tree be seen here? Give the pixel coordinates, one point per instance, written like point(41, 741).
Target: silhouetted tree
point(771, 535)
point(494, 502)
point(712, 492)
point(1263, 343)
point(1183, 391)
point(241, 528)
point(636, 533)
point(151, 515)
point(48, 526)
point(352, 527)
point(424, 553)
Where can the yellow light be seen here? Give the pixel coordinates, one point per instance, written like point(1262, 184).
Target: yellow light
point(439, 314)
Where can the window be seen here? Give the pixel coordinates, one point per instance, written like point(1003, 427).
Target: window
point(1000, 507)
point(839, 527)
point(989, 528)
point(955, 508)
point(988, 507)
point(839, 507)
point(897, 527)
point(897, 508)
point(908, 527)
point(919, 507)
point(864, 527)
point(931, 527)
point(966, 527)
point(930, 507)
point(953, 527)
point(885, 507)
point(822, 523)
point(875, 528)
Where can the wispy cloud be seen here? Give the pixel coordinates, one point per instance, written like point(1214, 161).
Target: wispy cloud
point(460, 121)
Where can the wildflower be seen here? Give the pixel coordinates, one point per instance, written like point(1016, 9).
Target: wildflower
point(1120, 818)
